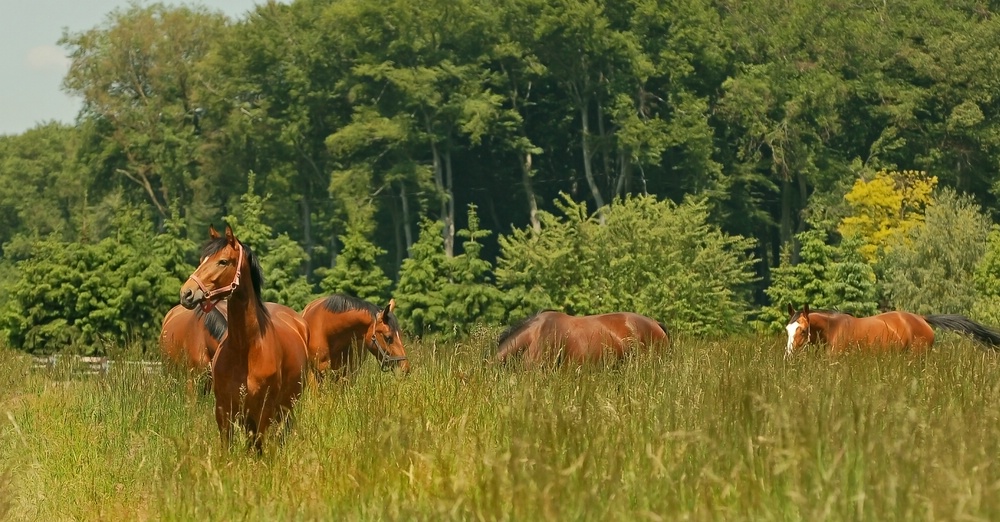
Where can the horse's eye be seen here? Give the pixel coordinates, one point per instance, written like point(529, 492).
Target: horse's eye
point(388, 339)
point(223, 262)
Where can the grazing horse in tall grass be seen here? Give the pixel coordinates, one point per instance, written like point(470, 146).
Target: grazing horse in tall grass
point(189, 340)
point(554, 337)
point(886, 332)
point(343, 327)
point(258, 370)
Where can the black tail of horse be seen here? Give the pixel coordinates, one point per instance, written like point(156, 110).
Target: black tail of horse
point(966, 326)
point(665, 331)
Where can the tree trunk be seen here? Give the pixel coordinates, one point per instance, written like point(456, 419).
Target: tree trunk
point(624, 182)
point(449, 218)
point(407, 231)
point(307, 231)
point(803, 198)
point(786, 215)
point(602, 135)
point(397, 228)
point(588, 170)
point(529, 191)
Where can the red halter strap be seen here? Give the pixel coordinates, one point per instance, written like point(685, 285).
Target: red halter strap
point(221, 290)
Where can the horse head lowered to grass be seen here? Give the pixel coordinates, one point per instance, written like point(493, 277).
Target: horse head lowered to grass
point(551, 337)
point(258, 370)
point(889, 331)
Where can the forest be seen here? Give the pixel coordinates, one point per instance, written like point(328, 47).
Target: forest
point(703, 162)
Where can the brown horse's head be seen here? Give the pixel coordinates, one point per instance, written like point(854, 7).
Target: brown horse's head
point(385, 341)
point(798, 329)
point(218, 275)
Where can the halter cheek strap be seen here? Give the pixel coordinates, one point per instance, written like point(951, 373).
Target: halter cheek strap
point(385, 358)
point(225, 289)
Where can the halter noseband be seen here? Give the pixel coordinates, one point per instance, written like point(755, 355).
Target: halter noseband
point(385, 358)
point(224, 289)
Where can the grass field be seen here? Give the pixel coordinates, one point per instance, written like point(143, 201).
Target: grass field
point(723, 430)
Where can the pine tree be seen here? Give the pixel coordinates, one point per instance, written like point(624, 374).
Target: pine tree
point(470, 294)
point(852, 287)
point(802, 283)
point(281, 258)
point(357, 271)
point(421, 305)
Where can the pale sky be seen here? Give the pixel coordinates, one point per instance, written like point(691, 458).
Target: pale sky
point(32, 64)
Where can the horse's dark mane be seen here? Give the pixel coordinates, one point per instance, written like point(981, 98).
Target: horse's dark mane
point(215, 323)
point(798, 313)
point(338, 303)
point(519, 326)
point(213, 246)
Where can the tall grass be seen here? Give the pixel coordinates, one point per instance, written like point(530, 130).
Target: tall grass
point(707, 431)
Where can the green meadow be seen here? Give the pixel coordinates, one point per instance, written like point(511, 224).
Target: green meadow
point(708, 430)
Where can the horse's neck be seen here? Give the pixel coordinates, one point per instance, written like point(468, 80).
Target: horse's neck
point(244, 323)
point(822, 325)
point(357, 322)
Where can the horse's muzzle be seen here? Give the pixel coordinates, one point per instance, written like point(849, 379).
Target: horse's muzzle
point(190, 298)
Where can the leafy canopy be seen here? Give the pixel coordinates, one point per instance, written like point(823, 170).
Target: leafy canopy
point(653, 257)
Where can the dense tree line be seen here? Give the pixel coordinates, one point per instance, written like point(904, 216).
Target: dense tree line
point(373, 126)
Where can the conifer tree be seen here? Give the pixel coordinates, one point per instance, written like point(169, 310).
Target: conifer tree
point(802, 283)
point(357, 271)
point(281, 258)
point(852, 286)
point(420, 302)
point(470, 295)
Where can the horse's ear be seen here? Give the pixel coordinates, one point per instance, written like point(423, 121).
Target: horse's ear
point(791, 310)
point(385, 312)
point(392, 305)
point(213, 233)
point(805, 309)
point(230, 237)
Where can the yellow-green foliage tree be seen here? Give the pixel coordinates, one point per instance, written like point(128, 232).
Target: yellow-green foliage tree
point(891, 203)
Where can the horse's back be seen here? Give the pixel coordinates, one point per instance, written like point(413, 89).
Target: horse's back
point(637, 327)
point(597, 337)
point(291, 332)
point(290, 318)
point(887, 331)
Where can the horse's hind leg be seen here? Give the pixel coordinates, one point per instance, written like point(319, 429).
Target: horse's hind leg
point(224, 419)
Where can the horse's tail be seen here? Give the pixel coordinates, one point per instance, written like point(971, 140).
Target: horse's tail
point(960, 323)
point(665, 331)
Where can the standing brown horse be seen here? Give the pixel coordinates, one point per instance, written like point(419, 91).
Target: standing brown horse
point(340, 325)
point(554, 337)
point(890, 331)
point(258, 370)
point(189, 340)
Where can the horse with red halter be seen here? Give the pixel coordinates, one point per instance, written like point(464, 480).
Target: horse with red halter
point(341, 325)
point(554, 337)
point(259, 368)
point(189, 340)
point(886, 332)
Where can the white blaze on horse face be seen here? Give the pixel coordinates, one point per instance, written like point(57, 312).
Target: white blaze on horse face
point(792, 329)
